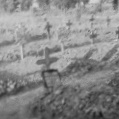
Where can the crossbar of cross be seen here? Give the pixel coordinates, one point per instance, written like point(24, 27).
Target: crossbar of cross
point(117, 32)
point(47, 61)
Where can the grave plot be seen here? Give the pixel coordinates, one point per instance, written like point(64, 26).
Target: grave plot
point(67, 56)
point(114, 61)
point(102, 49)
point(110, 53)
point(49, 75)
point(82, 65)
point(37, 38)
point(114, 82)
point(89, 54)
point(7, 43)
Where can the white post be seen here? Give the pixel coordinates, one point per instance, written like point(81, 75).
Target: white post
point(21, 52)
point(62, 47)
point(61, 43)
point(16, 37)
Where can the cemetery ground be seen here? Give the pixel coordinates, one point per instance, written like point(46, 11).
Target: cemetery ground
point(89, 72)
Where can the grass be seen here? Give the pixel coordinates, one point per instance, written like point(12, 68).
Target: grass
point(13, 84)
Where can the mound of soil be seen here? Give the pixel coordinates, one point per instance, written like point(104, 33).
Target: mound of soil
point(110, 53)
point(67, 103)
point(83, 66)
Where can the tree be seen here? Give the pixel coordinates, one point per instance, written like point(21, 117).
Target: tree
point(115, 4)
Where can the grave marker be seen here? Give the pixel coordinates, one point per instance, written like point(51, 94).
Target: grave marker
point(117, 32)
point(93, 35)
point(47, 61)
point(69, 24)
point(92, 24)
point(21, 46)
point(60, 42)
point(92, 21)
point(78, 11)
point(51, 77)
point(108, 21)
point(92, 18)
point(48, 29)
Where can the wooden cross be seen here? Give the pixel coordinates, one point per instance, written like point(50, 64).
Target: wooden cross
point(93, 35)
point(47, 61)
point(69, 23)
point(92, 18)
point(51, 77)
point(48, 29)
point(108, 21)
point(92, 24)
point(21, 44)
point(117, 32)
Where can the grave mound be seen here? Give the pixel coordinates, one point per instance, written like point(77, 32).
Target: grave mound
point(81, 65)
point(68, 103)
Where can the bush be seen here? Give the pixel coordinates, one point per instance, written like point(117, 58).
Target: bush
point(12, 84)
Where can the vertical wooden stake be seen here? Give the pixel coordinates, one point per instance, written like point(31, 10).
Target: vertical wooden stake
point(62, 47)
point(21, 52)
point(61, 43)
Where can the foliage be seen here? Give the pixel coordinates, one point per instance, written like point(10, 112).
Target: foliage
point(65, 3)
point(11, 5)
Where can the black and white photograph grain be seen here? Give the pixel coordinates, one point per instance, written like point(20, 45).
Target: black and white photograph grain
point(59, 59)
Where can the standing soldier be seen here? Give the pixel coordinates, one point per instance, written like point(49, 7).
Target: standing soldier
point(48, 29)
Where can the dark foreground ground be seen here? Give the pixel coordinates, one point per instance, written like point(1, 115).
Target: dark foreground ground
point(85, 93)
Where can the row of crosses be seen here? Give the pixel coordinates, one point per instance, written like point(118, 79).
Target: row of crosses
point(47, 61)
point(48, 27)
point(92, 19)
